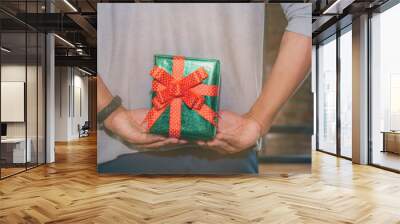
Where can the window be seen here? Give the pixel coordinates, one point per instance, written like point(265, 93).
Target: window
point(346, 93)
point(22, 78)
point(327, 96)
point(385, 89)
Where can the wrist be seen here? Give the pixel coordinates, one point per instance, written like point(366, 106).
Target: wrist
point(103, 102)
point(111, 119)
point(262, 121)
point(259, 124)
point(109, 109)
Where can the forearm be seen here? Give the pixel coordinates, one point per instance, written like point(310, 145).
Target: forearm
point(104, 96)
point(290, 68)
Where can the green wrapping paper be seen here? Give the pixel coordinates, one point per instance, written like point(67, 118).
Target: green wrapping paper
point(193, 125)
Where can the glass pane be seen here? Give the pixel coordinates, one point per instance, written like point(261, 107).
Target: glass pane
point(385, 84)
point(314, 89)
point(13, 89)
point(41, 98)
point(346, 94)
point(31, 87)
point(31, 97)
point(327, 97)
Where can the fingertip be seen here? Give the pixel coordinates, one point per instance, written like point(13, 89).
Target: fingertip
point(159, 138)
point(211, 143)
point(174, 140)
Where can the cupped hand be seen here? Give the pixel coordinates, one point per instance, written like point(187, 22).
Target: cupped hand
point(130, 126)
point(235, 133)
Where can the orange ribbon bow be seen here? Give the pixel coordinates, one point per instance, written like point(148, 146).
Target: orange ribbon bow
point(173, 89)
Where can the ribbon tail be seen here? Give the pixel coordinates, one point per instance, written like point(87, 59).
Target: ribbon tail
point(208, 114)
point(175, 118)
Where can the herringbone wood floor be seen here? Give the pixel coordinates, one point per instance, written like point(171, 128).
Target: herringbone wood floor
point(70, 191)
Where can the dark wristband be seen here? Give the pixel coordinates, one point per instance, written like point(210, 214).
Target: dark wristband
point(107, 110)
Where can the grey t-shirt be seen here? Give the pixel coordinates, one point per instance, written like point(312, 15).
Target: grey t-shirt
point(299, 17)
point(129, 35)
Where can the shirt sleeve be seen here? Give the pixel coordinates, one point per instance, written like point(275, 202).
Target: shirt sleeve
point(299, 17)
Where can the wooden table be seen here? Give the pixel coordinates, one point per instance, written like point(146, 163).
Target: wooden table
point(391, 141)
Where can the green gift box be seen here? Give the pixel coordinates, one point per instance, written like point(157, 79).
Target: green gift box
point(185, 97)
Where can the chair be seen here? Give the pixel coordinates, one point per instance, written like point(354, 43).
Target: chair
point(84, 130)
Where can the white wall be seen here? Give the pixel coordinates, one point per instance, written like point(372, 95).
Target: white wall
point(80, 84)
point(12, 73)
point(70, 83)
point(62, 81)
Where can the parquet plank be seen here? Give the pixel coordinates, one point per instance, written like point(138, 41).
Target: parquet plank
point(71, 191)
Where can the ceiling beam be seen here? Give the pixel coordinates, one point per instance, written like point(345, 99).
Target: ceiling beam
point(79, 61)
point(85, 25)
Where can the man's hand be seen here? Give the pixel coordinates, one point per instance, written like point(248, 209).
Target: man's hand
point(235, 133)
point(129, 125)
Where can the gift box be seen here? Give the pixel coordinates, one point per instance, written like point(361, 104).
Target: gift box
point(185, 97)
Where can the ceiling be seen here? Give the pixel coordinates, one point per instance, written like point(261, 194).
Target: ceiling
point(331, 15)
point(76, 21)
